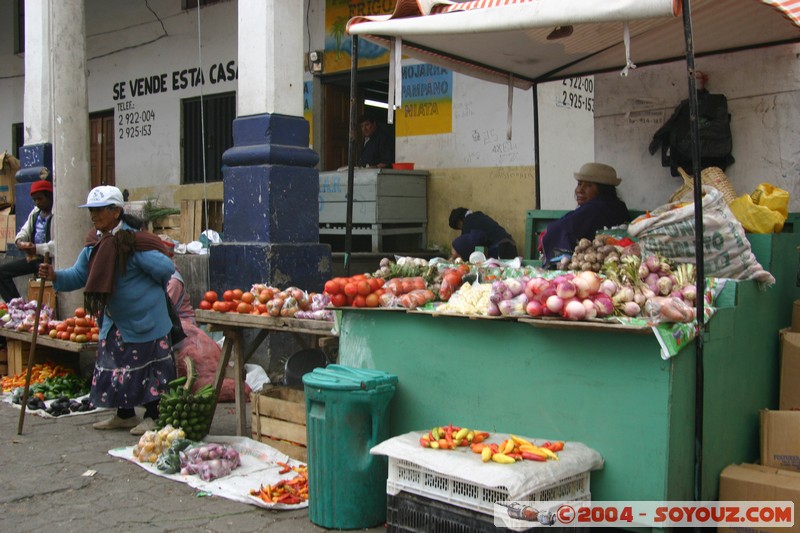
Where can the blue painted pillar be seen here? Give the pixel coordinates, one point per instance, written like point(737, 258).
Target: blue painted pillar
point(36, 161)
point(271, 221)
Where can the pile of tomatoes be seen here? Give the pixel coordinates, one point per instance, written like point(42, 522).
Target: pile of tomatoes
point(358, 290)
point(261, 300)
point(78, 328)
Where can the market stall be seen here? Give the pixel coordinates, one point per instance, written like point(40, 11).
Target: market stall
point(656, 422)
point(604, 385)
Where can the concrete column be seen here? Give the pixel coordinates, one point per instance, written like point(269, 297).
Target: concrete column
point(57, 123)
point(271, 187)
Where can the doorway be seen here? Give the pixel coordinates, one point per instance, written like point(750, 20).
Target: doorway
point(101, 148)
point(372, 94)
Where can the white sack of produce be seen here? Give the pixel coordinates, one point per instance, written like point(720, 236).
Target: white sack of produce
point(669, 231)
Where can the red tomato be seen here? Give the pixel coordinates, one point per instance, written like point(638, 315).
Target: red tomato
point(351, 289)
point(265, 295)
point(228, 296)
point(331, 287)
point(222, 307)
point(205, 304)
point(363, 287)
point(372, 300)
point(376, 283)
point(360, 301)
point(210, 296)
point(80, 312)
point(244, 308)
point(237, 294)
point(453, 278)
point(248, 297)
point(339, 300)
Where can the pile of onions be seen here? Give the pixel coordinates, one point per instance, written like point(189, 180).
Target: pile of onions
point(574, 296)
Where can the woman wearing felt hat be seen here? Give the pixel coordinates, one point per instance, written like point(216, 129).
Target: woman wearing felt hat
point(34, 238)
point(598, 207)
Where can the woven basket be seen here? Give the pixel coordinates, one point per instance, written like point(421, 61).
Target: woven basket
point(711, 176)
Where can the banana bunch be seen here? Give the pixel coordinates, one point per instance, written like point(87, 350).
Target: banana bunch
point(450, 437)
point(517, 449)
point(181, 408)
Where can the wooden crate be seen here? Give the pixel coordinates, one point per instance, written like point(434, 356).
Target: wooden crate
point(193, 218)
point(3, 361)
point(279, 420)
point(169, 225)
point(19, 352)
point(49, 295)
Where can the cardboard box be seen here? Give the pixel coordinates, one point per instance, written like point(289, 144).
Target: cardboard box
point(790, 370)
point(796, 316)
point(49, 297)
point(780, 439)
point(747, 482)
point(9, 165)
point(8, 228)
point(279, 420)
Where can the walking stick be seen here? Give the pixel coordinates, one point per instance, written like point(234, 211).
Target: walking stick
point(32, 352)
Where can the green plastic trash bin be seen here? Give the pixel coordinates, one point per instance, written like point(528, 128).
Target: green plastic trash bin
point(346, 415)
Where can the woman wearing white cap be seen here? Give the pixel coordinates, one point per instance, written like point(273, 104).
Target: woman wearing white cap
point(124, 272)
point(598, 207)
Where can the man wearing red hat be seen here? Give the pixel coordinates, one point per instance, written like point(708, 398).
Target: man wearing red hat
point(34, 239)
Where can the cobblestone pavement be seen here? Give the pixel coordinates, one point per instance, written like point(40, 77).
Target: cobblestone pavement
point(44, 489)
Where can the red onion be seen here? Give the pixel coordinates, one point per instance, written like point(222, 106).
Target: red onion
point(566, 289)
point(493, 309)
point(664, 286)
point(515, 286)
point(534, 308)
point(603, 304)
point(652, 263)
point(631, 309)
point(689, 293)
point(608, 287)
point(591, 310)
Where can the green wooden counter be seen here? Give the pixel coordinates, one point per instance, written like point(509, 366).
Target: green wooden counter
point(609, 389)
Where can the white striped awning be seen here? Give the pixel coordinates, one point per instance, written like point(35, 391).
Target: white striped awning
point(502, 40)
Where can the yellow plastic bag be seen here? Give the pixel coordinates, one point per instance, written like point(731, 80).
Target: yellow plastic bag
point(764, 211)
point(773, 197)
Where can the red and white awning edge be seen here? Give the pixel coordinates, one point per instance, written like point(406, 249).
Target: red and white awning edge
point(419, 17)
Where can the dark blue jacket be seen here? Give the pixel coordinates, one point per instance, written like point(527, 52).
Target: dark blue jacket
point(598, 213)
point(378, 149)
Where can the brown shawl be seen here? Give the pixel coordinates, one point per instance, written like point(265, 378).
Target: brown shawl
point(109, 259)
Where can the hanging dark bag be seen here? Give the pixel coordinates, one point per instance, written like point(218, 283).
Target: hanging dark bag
point(176, 334)
point(714, 131)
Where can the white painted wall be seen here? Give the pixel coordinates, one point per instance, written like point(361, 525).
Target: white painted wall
point(763, 90)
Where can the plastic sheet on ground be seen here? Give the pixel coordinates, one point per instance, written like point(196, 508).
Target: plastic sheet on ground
point(259, 467)
point(521, 478)
point(44, 414)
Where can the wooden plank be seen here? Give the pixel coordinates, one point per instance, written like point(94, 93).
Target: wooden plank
point(4, 369)
point(191, 220)
point(45, 340)
point(291, 325)
point(281, 403)
point(585, 325)
point(282, 429)
point(295, 451)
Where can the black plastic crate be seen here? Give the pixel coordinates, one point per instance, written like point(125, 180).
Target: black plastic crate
point(418, 514)
point(410, 512)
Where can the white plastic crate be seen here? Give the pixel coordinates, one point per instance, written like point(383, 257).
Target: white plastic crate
point(409, 477)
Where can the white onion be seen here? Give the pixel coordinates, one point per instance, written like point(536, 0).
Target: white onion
point(593, 279)
point(555, 303)
point(581, 287)
point(574, 310)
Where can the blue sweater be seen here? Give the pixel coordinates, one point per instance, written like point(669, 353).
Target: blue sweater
point(563, 234)
point(138, 306)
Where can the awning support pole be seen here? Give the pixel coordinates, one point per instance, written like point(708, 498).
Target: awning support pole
point(537, 175)
point(698, 247)
point(351, 154)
